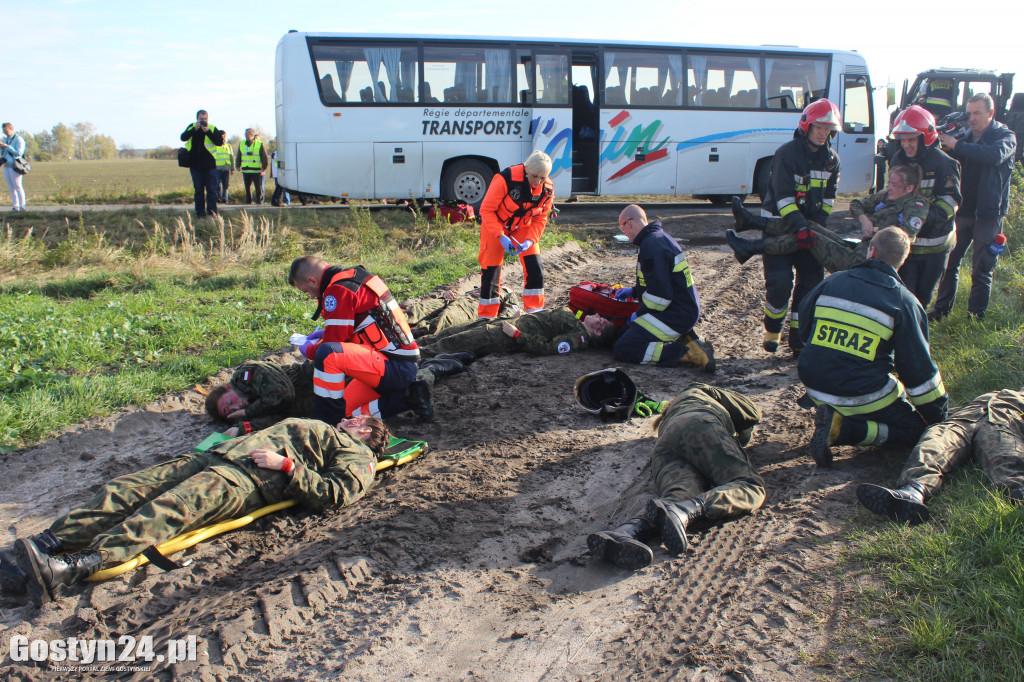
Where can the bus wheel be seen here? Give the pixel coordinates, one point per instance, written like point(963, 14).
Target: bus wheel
point(722, 199)
point(466, 181)
point(764, 169)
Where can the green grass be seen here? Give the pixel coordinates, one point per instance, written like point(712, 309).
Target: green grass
point(953, 594)
point(110, 309)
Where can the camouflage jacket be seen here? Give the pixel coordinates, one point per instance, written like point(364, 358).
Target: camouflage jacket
point(550, 332)
point(736, 412)
point(274, 391)
point(908, 212)
point(332, 469)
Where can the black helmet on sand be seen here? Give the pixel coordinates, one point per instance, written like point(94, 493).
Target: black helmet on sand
point(607, 393)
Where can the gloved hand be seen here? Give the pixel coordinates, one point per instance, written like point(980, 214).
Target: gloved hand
point(623, 293)
point(510, 246)
point(632, 318)
point(318, 334)
point(305, 346)
point(806, 238)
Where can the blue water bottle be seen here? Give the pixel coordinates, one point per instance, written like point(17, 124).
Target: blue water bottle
point(997, 245)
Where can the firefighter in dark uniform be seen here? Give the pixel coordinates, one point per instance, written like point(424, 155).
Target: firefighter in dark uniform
point(547, 332)
point(701, 473)
point(318, 465)
point(662, 331)
point(940, 184)
point(366, 361)
point(801, 188)
point(938, 101)
point(898, 205)
point(866, 336)
point(989, 429)
point(513, 216)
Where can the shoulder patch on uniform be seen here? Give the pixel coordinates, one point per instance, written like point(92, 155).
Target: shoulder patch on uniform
point(564, 347)
point(330, 303)
point(915, 222)
point(919, 203)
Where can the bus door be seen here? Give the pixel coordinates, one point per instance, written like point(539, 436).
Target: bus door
point(856, 143)
point(551, 127)
point(585, 122)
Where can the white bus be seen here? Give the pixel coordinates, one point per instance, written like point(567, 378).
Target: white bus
point(377, 117)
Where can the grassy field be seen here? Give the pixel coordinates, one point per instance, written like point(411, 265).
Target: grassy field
point(110, 181)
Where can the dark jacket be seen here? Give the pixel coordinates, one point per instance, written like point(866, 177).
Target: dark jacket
point(200, 157)
point(861, 326)
point(802, 183)
point(990, 162)
point(940, 184)
point(669, 304)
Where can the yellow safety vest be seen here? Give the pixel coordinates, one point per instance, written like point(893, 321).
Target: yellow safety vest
point(250, 155)
point(222, 155)
point(207, 142)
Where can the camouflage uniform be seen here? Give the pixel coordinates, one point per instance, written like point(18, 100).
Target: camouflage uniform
point(546, 332)
point(274, 391)
point(836, 254)
point(150, 507)
point(699, 445)
point(432, 315)
point(991, 428)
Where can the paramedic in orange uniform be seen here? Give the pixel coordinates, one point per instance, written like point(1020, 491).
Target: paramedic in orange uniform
point(513, 215)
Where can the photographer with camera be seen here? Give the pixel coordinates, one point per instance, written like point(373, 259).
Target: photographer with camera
point(12, 147)
point(986, 157)
point(201, 140)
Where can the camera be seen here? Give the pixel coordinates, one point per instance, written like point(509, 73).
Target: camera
point(954, 124)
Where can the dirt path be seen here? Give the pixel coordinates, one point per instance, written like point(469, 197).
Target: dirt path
point(471, 563)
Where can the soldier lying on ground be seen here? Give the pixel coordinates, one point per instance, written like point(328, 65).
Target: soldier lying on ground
point(899, 205)
point(306, 460)
point(431, 315)
point(547, 332)
point(262, 393)
point(990, 428)
point(700, 471)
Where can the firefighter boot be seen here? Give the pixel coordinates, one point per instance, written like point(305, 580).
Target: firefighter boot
point(771, 341)
point(699, 353)
point(442, 366)
point(625, 546)
point(743, 249)
point(827, 423)
point(420, 401)
point(48, 574)
point(745, 220)
point(466, 357)
point(673, 518)
point(904, 504)
point(12, 578)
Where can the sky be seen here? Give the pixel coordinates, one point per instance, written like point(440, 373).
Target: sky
point(139, 70)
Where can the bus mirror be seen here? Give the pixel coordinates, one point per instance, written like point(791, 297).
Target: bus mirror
point(890, 94)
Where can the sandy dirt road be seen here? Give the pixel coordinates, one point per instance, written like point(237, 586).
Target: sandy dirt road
point(471, 563)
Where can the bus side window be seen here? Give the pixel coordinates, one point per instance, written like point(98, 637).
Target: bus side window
point(328, 90)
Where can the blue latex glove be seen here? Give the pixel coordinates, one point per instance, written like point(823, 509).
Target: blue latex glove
point(318, 334)
point(624, 293)
point(304, 347)
point(632, 318)
point(510, 246)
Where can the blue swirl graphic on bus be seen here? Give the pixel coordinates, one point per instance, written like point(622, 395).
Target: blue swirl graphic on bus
point(686, 145)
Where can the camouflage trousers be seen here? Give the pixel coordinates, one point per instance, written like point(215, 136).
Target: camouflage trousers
point(480, 337)
point(833, 252)
point(152, 506)
point(990, 429)
point(696, 454)
point(433, 315)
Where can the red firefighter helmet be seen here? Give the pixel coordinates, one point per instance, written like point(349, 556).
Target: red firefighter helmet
point(916, 120)
point(823, 112)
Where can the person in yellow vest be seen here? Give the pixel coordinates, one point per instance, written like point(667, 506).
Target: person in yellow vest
point(225, 167)
point(252, 160)
point(200, 140)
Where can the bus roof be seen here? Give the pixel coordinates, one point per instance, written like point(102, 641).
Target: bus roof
point(598, 42)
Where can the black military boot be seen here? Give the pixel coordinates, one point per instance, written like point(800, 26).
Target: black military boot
point(904, 504)
point(1017, 495)
point(626, 545)
point(420, 401)
point(821, 441)
point(466, 357)
point(744, 249)
point(48, 574)
point(673, 518)
point(745, 220)
point(442, 366)
point(12, 578)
